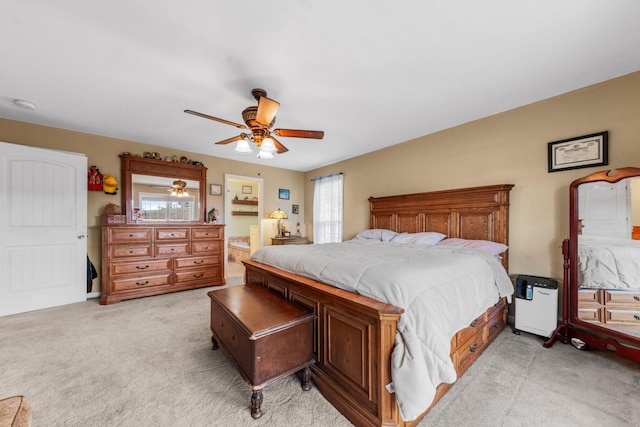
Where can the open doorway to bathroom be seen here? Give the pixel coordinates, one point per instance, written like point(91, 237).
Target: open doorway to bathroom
point(243, 211)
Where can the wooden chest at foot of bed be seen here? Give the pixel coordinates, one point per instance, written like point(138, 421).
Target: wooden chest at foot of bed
point(264, 335)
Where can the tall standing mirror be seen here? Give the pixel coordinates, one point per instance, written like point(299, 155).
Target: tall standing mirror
point(602, 262)
point(156, 190)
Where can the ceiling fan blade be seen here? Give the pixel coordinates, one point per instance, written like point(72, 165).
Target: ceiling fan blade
point(279, 147)
point(235, 138)
point(206, 116)
point(297, 133)
point(267, 109)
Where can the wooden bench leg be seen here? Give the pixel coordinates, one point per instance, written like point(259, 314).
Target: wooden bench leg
point(306, 378)
point(256, 402)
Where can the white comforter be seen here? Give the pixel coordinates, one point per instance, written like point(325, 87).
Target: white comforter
point(608, 263)
point(442, 290)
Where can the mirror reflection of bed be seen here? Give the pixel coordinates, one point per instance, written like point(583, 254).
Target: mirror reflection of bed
point(608, 221)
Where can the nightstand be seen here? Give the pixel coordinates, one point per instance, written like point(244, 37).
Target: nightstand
point(293, 240)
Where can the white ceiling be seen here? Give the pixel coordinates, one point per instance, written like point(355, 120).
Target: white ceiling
point(370, 73)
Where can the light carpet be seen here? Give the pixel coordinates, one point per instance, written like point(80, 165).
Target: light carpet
point(148, 362)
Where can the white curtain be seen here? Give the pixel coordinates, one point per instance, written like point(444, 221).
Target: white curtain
point(327, 209)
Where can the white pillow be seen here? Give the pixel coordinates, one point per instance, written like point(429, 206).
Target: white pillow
point(494, 248)
point(377, 234)
point(426, 238)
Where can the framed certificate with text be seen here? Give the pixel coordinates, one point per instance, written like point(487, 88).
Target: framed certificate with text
point(581, 152)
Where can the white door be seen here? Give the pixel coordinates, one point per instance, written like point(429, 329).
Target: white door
point(605, 209)
point(43, 223)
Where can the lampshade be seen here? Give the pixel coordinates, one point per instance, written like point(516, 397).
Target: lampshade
point(268, 145)
point(265, 155)
point(279, 214)
point(243, 147)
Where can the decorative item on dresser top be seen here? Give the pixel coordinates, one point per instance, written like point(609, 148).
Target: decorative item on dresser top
point(601, 302)
point(166, 246)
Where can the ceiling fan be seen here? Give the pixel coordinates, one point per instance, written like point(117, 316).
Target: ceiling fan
point(259, 120)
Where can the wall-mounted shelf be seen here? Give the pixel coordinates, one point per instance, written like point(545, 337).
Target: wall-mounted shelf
point(245, 202)
point(244, 213)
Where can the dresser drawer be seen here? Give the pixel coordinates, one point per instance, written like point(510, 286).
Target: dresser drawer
point(212, 274)
point(206, 233)
point(129, 251)
point(473, 329)
point(139, 267)
point(133, 235)
point(590, 314)
point(172, 249)
point(205, 247)
point(628, 315)
point(172, 234)
point(140, 282)
point(590, 295)
point(464, 355)
point(201, 261)
point(623, 297)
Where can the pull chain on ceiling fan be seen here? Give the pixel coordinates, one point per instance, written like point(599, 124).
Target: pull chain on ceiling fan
point(259, 120)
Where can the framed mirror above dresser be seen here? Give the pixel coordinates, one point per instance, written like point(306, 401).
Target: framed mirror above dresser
point(155, 179)
point(601, 306)
point(164, 244)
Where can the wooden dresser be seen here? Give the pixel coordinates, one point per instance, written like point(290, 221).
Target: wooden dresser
point(617, 309)
point(142, 260)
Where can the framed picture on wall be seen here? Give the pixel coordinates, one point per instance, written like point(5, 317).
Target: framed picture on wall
point(215, 189)
point(247, 189)
point(295, 209)
point(283, 194)
point(580, 152)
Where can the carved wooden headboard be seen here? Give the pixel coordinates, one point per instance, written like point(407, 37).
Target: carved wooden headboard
point(480, 213)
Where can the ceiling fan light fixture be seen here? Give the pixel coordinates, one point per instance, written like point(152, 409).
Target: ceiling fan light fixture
point(268, 145)
point(267, 155)
point(243, 147)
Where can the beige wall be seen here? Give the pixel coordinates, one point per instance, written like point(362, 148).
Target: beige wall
point(103, 152)
point(508, 148)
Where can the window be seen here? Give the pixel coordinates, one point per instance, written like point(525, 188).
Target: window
point(327, 209)
point(160, 207)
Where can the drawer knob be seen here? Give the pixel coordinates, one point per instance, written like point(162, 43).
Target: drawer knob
point(142, 284)
point(130, 235)
point(635, 316)
point(142, 268)
point(130, 252)
point(198, 276)
point(473, 348)
point(206, 247)
point(200, 261)
point(636, 297)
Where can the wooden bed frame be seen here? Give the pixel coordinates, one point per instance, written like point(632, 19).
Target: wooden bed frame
point(355, 335)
